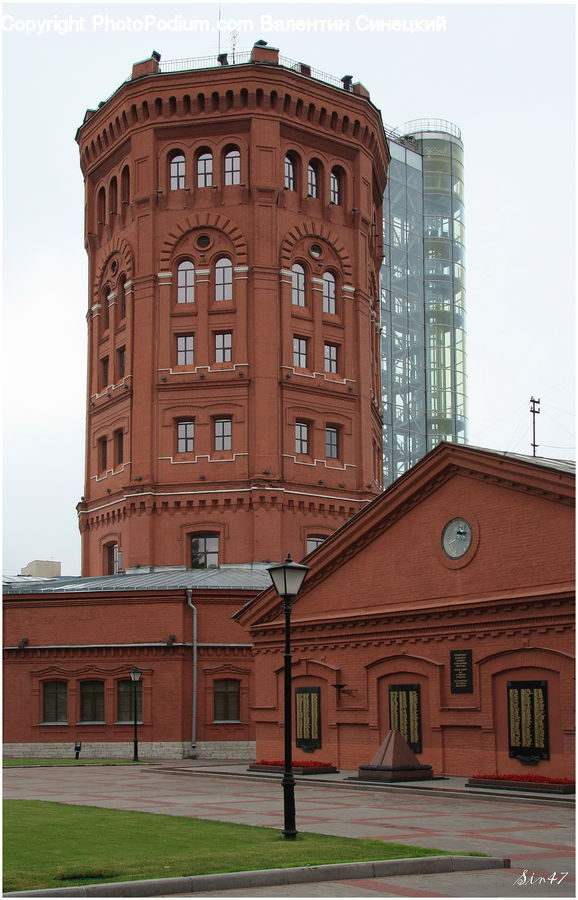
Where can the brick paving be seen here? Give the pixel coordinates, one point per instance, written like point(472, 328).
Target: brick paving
point(538, 839)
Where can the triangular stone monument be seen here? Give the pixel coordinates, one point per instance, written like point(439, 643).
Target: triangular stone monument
point(395, 761)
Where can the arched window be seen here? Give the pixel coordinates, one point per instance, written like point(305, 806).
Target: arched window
point(329, 293)
point(125, 186)
point(54, 701)
point(205, 551)
point(314, 541)
point(112, 197)
point(105, 309)
point(233, 166)
point(186, 282)
point(297, 285)
point(313, 179)
point(126, 689)
point(223, 279)
point(336, 187)
point(122, 297)
point(92, 701)
point(177, 171)
point(227, 693)
point(204, 168)
point(290, 174)
point(101, 207)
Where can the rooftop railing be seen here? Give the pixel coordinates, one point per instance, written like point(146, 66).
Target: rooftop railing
point(416, 125)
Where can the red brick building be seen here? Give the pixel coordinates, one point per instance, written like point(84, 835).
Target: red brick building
point(233, 230)
point(445, 609)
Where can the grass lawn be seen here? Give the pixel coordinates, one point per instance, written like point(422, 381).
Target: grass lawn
point(58, 845)
point(70, 762)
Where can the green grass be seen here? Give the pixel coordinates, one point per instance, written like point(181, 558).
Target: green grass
point(69, 762)
point(50, 845)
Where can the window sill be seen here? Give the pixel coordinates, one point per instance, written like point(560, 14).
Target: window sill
point(96, 722)
point(52, 724)
point(128, 722)
point(226, 722)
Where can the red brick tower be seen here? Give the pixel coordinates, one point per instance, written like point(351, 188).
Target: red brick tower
point(233, 229)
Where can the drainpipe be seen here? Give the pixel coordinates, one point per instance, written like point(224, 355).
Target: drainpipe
point(189, 593)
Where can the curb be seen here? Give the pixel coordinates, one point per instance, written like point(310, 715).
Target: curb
point(426, 865)
point(562, 800)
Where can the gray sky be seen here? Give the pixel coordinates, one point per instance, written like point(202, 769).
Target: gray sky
point(503, 73)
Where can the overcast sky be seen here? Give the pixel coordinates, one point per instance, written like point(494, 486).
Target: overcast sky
point(503, 73)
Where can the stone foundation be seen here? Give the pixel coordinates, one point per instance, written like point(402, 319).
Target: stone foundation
point(225, 750)
point(101, 750)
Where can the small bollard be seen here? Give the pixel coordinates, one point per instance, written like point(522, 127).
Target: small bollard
point(77, 749)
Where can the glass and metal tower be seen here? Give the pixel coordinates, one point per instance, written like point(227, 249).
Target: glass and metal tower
point(423, 294)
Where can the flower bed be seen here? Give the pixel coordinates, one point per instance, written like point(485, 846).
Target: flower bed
point(299, 766)
point(541, 783)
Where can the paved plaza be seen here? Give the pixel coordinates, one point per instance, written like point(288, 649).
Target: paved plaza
point(537, 837)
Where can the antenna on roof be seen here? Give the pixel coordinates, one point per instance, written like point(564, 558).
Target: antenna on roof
point(534, 411)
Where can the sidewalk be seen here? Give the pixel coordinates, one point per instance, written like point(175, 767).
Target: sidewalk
point(536, 834)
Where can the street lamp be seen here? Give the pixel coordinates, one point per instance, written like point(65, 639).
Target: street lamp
point(287, 579)
point(135, 677)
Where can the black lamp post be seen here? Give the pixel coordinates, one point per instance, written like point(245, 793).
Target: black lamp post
point(287, 579)
point(135, 677)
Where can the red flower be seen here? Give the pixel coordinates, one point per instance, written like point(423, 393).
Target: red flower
point(536, 779)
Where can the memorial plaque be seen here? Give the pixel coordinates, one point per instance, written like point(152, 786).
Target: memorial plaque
point(528, 720)
point(308, 718)
point(461, 672)
point(405, 713)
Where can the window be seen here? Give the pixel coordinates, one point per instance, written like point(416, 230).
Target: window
point(314, 540)
point(330, 357)
point(331, 442)
point(125, 700)
point(223, 434)
point(101, 446)
point(329, 293)
point(335, 187)
point(290, 175)
point(112, 560)
point(55, 701)
point(297, 285)
point(227, 693)
point(185, 349)
point(120, 363)
point(186, 282)
point(313, 180)
point(104, 371)
point(105, 311)
point(233, 167)
point(186, 436)
point(205, 551)
point(122, 298)
point(92, 701)
point(118, 447)
point(205, 169)
point(224, 347)
point(223, 279)
point(301, 437)
point(177, 172)
point(300, 352)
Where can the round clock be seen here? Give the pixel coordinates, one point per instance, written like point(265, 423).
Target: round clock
point(457, 538)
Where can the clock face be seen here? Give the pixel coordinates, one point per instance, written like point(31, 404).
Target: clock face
point(457, 538)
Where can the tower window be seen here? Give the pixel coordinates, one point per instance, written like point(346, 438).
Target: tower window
point(227, 693)
point(122, 298)
point(297, 285)
point(112, 559)
point(290, 181)
point(330, 352)
point(331, 442)
point(186, 282)
point(314, 540)
point(101, 445)
point(118, 436)
point(233, 167)
point(224, 347)
point(120, 363)
point(301, 437)
point(205, 169)
point(223, 279)
point(177, 172)
point(329, 293)
point(223, 433)
point(335, 190)
point(313, 179)
point(185, 349)
point(205, 551)
point(300, 352)
point(186, 436)
point(104, 373)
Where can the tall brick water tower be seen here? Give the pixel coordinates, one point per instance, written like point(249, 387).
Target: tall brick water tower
point(233, 229)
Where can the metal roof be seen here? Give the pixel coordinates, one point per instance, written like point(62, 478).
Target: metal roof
point(563, 465)
point(239, 578)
